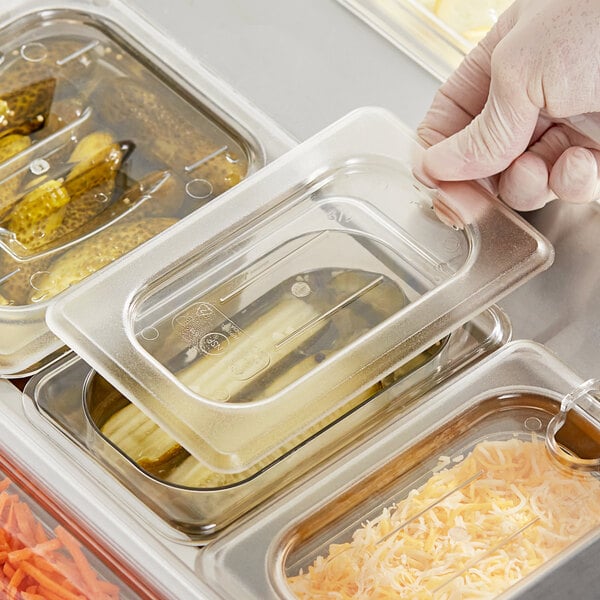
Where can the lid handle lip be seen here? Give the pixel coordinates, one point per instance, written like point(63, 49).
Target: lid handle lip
point(590, 391)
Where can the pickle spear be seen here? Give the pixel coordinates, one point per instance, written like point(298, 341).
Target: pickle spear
point(94, 253)
point(161, 126)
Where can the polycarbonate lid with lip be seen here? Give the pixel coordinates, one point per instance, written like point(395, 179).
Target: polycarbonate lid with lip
point(306, 284)
point(109, 134)
point(480, 493)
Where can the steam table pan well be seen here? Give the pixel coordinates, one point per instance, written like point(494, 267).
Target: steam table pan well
point(190, 503)
point(436, 34)
point(41, 558)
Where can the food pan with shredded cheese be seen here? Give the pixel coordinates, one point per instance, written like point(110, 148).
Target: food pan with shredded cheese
point(464, 498)
point(474, 529)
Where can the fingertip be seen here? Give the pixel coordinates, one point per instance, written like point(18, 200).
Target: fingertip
point(524, 185)
point(574, 176)
point(443, 162)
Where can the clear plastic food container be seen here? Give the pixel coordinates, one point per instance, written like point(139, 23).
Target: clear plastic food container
point(435, 33)
point(191, 503)
point(105, 141)
point(246, 325)
point(478, 494)
point(41, 556)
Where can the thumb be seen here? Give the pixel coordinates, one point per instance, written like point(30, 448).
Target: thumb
point(493, 139)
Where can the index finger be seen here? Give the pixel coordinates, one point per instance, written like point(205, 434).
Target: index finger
point(465, 93)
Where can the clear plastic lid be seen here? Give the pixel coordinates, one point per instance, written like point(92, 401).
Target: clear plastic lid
point(240, 329)
point(192, 503)
point(101, 148)
point(475, 495)
point(41, 559)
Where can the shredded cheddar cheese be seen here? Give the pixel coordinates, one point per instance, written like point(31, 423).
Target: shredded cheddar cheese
point(473, 530)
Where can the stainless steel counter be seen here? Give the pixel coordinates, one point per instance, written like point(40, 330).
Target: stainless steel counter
point(308, 62)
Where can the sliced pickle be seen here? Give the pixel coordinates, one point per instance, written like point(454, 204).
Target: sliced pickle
point(57, 207)
point(354, 301)
point(91, 182)
point(11, 145)
point(36, 217)
point(250, 351)
point(143, 440)
point(94, 253)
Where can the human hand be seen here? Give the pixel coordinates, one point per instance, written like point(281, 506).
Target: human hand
point(500, 113)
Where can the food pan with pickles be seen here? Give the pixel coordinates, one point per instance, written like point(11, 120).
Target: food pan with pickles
point(192, 503)
point(100, 150)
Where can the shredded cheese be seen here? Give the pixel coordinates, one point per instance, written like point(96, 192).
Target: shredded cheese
point(472, 530)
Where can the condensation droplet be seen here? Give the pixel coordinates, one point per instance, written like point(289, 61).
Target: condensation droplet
point(301, 289)
point(532, 424)
point(36, 281)
point(150, 333)
point(199, 188)
point(101, 197)
point(39, 166)
point(34, 52)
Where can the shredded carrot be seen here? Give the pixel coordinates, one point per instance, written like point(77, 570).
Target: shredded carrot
point(40, 533)
point(14, 583)
point(36, 565)
point(87, 573)
point(26, 523)
point(32, 596)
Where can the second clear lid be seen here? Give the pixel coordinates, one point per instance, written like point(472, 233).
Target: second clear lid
point(251, 322)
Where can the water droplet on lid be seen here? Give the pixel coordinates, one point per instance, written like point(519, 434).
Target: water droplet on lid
point(36, 281)
point(532, 424)
point(101, 197)
point(150, 333)
point(39, 166)
point(34, 52)
point(199, 188)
